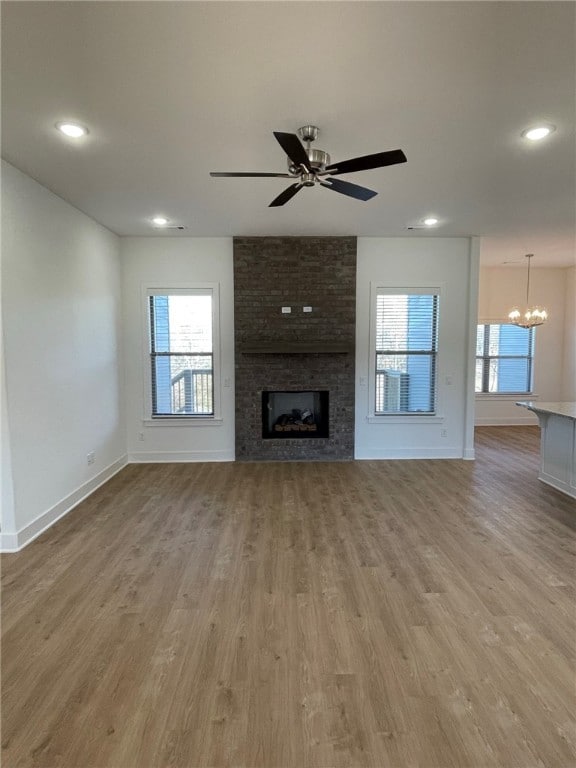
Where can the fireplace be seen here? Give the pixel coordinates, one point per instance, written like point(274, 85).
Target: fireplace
point(297, 414)
point(294, 336)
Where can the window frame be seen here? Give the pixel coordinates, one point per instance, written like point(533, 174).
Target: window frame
point(487, 358)
point(181, 419)
point(376, 289)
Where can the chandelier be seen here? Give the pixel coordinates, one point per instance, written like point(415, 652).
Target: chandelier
point(533, 315)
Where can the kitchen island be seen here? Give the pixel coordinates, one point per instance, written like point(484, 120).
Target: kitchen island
point(557, 444)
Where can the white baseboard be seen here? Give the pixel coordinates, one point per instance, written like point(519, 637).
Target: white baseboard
point(12, 542)
point(163, 457)
point(9, 542)
point(506, 421)
point(559, 485)
point(409, 453)
point(469, 454)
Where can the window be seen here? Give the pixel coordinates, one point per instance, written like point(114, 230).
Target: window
point(181, 331)
point(504, 355)
point(406, 349)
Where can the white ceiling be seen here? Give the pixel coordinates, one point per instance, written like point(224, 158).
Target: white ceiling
point(174, 90)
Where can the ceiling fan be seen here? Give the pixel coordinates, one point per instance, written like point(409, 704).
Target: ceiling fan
point(312, 166)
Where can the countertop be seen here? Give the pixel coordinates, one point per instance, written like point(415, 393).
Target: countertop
point(558, 409)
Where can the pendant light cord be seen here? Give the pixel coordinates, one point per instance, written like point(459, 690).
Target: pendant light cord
point(529, 257)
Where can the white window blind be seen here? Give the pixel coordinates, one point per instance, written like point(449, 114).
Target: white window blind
point(504, 358)
point(406, 350)
point(181, 353)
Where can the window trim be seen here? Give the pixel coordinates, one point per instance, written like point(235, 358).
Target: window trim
point(373, 417)
point(486, 358)
point(181, 289)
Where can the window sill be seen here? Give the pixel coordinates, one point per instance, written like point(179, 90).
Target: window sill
point(506, 396)
point(184, 421)
point(403, 418)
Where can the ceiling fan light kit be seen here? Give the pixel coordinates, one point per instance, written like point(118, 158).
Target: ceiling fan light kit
point(312, 166)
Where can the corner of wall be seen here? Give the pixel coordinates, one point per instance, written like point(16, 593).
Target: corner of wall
point(7, 522)
point(568, 392)
point(473, 292)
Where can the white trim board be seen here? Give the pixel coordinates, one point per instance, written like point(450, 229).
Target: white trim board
point(169, 457)
point(13, 542)
point(559, 485)
point(505, 421)
point(393, 454)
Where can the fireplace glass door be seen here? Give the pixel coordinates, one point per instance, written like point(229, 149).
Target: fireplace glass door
point(295, 415)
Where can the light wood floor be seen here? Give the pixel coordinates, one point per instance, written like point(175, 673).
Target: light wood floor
point(394, 613)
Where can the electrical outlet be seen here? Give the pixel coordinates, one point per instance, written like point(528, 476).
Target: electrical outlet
point(286, 310)
point(141, 436)
point(91, 457)
point(444, 433)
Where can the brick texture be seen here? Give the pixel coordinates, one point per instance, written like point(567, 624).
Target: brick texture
point(272, 272)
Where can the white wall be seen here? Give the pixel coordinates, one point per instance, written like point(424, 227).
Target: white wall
point(6, 487)
point(500, 289)
point(452, 265)
point(61, 324)
point(168, 262)
point(569, 363)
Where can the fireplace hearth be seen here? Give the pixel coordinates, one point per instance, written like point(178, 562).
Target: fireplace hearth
point(295, 414)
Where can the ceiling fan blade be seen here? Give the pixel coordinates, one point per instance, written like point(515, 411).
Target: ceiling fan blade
point(378, 160)
point(346, 188)
point(293, 147)
point(288, 194)
point(251, 175)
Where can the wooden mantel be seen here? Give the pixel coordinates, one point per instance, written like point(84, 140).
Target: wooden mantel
point(295, 348)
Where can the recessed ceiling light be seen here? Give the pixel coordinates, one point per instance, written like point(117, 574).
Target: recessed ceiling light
point(431, 221)
point(73, 130)
point(538, 132)
point(159, 221)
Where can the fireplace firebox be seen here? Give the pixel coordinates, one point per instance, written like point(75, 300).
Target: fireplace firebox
point(300, 414)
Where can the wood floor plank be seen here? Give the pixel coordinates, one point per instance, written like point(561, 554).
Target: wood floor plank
point(383, 614)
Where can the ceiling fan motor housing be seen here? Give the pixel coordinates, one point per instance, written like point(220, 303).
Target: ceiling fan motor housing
point(318, 161)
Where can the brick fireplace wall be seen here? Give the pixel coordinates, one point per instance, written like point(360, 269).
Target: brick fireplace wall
point(303, 351)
